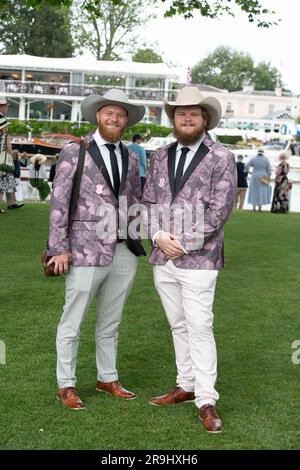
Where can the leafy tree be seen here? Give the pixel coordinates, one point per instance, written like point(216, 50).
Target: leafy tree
point(229, 69)
point(224, 68)
point(266, 77)
point(147, 55)
point(216, 8)
point(254, 9)
point(107, 28)
point(43, 32)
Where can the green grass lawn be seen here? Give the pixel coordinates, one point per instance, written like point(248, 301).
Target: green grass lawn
point(256, 321)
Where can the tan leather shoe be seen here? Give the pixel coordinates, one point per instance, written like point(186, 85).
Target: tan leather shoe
point(70, 398)
point(210, 418)
point(115, 389)
point(178, 395)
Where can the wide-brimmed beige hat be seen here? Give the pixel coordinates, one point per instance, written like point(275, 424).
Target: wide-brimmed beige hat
point(91, 104)
point(191, 96)
point(38, 158)
point(260, 151)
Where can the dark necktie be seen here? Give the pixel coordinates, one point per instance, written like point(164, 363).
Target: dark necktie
point(180, 166)
point(114, 167)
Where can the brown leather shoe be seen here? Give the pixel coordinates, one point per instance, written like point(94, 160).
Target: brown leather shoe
point(178, 395)
point(210, 418)
point(70, 398)
point(115, 389)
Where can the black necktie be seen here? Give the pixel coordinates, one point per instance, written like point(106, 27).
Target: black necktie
point(114, 167)
point(180, 166)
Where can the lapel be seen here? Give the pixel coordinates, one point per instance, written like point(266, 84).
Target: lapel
point(98, 159)
point(171, 166)
point(198, 157)
point(124, 153)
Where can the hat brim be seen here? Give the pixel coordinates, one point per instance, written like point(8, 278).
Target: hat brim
point(210, 104)
point(38, 158)
point(91, 105)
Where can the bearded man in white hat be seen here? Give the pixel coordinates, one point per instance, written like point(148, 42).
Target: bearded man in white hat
point(99, 263)
point(190, 174)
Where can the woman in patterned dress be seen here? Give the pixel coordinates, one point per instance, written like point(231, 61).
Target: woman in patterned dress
point(7, 180)
point(280, 203)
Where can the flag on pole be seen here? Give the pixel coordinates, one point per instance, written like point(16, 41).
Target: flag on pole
point(189, 77)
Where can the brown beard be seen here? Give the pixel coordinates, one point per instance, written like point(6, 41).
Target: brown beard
point(188, 139)
point(111, 135)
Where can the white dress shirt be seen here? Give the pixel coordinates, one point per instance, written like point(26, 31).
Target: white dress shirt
point(105, 154)
point(189, 156)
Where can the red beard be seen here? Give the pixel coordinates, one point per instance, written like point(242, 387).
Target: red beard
point(110, 134)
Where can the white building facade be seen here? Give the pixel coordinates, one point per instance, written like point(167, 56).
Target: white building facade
point(52, 89)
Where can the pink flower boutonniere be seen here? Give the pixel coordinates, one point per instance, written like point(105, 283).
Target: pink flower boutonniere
point(99, 188)
point(161, 182)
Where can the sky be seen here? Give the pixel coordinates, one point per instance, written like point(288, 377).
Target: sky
point(185, 42)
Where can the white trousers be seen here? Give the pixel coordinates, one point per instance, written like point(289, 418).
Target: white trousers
point(111, 286)
point(187, 296)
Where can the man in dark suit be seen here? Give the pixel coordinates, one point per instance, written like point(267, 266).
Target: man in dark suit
point(242, 184)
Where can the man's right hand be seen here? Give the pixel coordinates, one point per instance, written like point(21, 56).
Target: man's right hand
point(168, 243)
point(61, 263)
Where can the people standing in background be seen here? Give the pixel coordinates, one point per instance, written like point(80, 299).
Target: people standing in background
point(38, 175)
point(294, 147)
point(140, 152)
point(280, 202)
point(7, 181)
point(53, 170)
point(19, 161)
point(259, 192)
point(7, 184)
point(242, 184)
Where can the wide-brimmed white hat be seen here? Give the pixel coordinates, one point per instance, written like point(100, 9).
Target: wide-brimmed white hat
point(191, 96)
point(38, 158)
point(91, 104)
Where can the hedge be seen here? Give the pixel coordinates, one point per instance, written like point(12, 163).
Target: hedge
point(65, 127)
point(229, 139)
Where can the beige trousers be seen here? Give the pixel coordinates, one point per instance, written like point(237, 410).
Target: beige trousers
point(187, 296)
point(240, 197)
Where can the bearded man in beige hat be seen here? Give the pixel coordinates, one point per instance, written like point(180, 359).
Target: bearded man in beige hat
point(99, 263)
point(198, 175)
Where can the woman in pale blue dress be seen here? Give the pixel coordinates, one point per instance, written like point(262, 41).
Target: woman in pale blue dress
point(259, 193)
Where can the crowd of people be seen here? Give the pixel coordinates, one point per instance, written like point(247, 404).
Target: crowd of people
point(260, 193)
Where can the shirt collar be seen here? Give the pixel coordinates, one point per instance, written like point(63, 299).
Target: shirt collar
point(194, 147)
point(100, 141)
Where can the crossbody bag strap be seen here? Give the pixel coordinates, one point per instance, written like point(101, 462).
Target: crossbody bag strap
point(76, 182)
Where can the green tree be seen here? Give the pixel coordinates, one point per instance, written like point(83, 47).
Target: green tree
point(44, 32)
point(108, 29)
point(254, 9)
point(266, 77)
point(147, 55)
point(229, 69)
point(224, 68)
